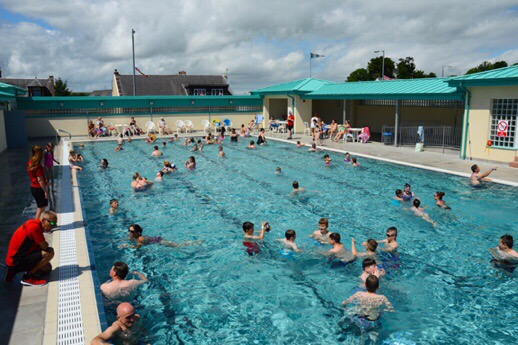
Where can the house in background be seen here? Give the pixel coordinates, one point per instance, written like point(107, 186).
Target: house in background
point(35, 87)
point(180, 84)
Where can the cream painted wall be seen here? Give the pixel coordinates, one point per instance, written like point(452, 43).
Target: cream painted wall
point(3, 137)
point(302, 114)
point(77, 126)
point(479, 122)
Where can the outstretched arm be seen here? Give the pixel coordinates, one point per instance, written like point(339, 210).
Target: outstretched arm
point(488, 172)
point(353, 247)
point(106, 335)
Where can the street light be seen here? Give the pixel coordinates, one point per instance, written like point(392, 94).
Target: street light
point(382, 63)
point(133, 48)
point(442, 73)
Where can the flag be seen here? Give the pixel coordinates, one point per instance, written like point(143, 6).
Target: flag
point(136, 68)
point(311, 56)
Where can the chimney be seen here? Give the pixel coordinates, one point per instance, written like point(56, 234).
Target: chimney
point(182, 72)
point(116, 72)
point(51, 85)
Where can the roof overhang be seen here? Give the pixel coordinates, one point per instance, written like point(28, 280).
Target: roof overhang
point(484, 82)
point(456, 96)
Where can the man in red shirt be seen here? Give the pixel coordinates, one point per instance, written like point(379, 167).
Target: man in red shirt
point(291, 121)
point(29, 252)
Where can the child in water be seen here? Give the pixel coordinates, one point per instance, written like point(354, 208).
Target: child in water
point(135, 235)
point(391, 243)
point(322, 234)
point(419, 211)
point(438, 200)
point(327, 161)
point(104, 163)
point(370, 268)
point(251, 145)
point(354, 163)
point(347, 158)
point(370, 247)
point(249, 240)
point(299, 144)
point(289, 241)
point(114, 206)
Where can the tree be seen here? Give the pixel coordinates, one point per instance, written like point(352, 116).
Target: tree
point(487, 66)
point(60, 88)
point(375, 66)
point(405, 68)
point(360, 74)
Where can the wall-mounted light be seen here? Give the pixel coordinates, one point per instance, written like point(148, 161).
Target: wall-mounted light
point(61, 104)
point(231, 101)
point(192, 102)
point(150, 102)
point(101, 103)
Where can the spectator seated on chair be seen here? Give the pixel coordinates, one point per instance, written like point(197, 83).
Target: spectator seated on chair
point(273, 124)
point(365, 134)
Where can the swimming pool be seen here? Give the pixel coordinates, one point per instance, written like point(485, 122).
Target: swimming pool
point(445, 290)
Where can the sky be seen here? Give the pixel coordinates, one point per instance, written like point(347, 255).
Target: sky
point(260, 43)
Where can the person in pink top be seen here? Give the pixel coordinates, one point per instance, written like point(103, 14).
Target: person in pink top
point(365, 134)
point(48, 164)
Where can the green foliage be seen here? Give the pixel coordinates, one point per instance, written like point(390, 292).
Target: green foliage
point(60, 88)
point(374, 67)
point(360, 74)
point(487, 66)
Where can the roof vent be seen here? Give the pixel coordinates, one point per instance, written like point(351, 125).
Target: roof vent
point(182, 72)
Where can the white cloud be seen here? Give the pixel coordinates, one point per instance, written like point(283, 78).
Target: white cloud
point(261, 43)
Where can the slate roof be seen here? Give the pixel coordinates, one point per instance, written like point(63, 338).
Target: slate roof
point(101, 93)
point(24, 83)
point(499, 76)
point(176, 84)
point(299, 86)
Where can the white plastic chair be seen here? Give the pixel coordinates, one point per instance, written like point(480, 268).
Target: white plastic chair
point(150, 127)
point(307, 129)
point(206, 126)
point(189, 127)
point(179, 126)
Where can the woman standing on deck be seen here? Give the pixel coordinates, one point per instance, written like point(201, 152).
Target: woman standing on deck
point(38, 182)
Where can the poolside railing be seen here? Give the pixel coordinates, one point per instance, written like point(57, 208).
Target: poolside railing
point(434, 136)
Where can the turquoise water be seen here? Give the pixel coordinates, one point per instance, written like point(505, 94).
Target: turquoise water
point(445, 290)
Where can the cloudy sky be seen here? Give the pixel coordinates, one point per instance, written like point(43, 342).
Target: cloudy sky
point(260, 42)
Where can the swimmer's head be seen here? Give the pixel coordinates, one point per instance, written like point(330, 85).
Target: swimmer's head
point(323, 224)
point(220, 148)
point(167, 163)
point(399, 192)
point(248, 227)
point(199, 141)
point(417, 203)
point(298, 142)
point(278, 169)
point(369, 265)
point(251, 143)
point(104, 162)
point(353, 160)
point(391, 233)
point(313, 146)
point(334, 238)
point(120, 269)
point(163, 143)
point(295, 185)
point(192, 159)
point(114, 203)
point(438, 195)
point(407, 187)
point(506, 242)
point(121, 135)
point(155, 147)
point(136, 175)
point(372, 283)
point(475, 168)
point(135, 230)
point(160, 173)
point(126, 314)
point(326, 156)
point(290, 235)
point(372, 245)
point(347, 155)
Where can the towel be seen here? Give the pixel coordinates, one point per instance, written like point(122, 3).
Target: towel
point(420, 132)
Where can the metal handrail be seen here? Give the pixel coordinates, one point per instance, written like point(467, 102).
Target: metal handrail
point(60, 130)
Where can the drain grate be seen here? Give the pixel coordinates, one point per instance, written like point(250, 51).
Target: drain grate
point(70, 320)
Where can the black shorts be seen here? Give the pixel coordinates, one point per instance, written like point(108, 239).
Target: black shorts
point(289, 128)
point(234, 139)
point(27, 263)
point(39, 196)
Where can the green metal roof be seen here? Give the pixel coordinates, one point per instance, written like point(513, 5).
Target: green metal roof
point(300, 86)
point(8, 92)
point(499, 76)
point(399, 89)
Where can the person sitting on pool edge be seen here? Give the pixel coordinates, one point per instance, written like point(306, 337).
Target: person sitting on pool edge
point(370, 268)
point(289, 241)
point(368, 305)
point(391, 243)
point(135, 235)
point(140, 182)
point(476, 176)
point(296, 188)
point(249, 240)
point(126, 327)
point(322, 234)
point(504, 251)
point(119, 286)
point(370, 247)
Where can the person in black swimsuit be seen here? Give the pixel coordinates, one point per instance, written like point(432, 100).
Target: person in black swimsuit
point(261, 139)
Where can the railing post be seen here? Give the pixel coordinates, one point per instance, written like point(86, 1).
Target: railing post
point(443, 136)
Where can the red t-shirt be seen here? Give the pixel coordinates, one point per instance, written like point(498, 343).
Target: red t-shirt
point(26, 239)
point(291, 118)
point(34, 174)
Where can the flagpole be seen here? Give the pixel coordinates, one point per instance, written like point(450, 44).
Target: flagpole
point(133, 49)
point(310, 65)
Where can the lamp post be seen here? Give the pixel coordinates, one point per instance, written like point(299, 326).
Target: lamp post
point(382, 63)
point(133, 48)
point(442, 73)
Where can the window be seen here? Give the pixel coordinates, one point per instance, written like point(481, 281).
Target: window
point(200, 92)
point(217, 92)
point(503, 123)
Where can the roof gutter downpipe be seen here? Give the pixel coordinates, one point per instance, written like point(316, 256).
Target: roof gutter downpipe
point(465, 122)
point(292, 110)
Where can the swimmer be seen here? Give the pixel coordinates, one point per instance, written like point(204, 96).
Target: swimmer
point(327, 161)
point(81, 146)
point(120, 140)
point(476, 177)
point(104, 163)
point(249, 239)
point(314, 148)
point(354, 163)
point(418, 211)
point(194, 148)
point(278, 170)
point(391, 244)
point(296, 188)
point(168, 167)
point(150, 138)
point(119, 148)
point(114, 206)
point(438, 200)
point(156, 152)
point(399, 195)
point(407, 193)
point(190, 164)
point(175, 137)
point(140, 182)
point(347, 158)
point(163, 144)
point(338, 249)
point(200, 145)
point(370, 248)
point(289, 241)
point(370, 268)
point(299, 144)
point(369, 305)
point(72, 159)
point(135, 235)
point(221, 153)
point(322, 234)
point(251, 145)
point(126, 327)
point(159, 175)
point(504, 251)
point(120, 287)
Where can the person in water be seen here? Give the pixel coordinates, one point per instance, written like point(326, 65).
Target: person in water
point(221, 153)
point(251, 145)
point(322, 234)
point(296, 188)
point(347, 158)
point(261, 139)
point(156, 152)
point(140, 182)
point(370, 248)
point(438, 200)
point(135, 235)
point(250, 240)
point(354, 162)
point(370, 268)
point(476, 177)
point(327, 161)
point(278, 170)
point(407, 193)
point(368, 305)
point(114, 206)
point(504, 252)
point(338, 249)
point(399, 195)
point(299, 144)
point(391, 244)
point(190, 164)
point(126, 328)
point(419, 211)
point(104, 163)
point(289, 241)
point(119, 286)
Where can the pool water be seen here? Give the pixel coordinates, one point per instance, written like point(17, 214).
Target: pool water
point(444, 291)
